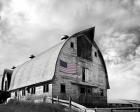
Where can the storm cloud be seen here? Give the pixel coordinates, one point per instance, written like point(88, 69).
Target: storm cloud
point(31, 26)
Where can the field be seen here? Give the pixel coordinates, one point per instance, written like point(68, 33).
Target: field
point(15, 106)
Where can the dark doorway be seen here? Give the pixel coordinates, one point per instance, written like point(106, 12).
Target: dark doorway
point(83, 74)
point(85, 95)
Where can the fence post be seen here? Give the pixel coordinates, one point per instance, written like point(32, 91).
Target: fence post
point(57, 99)
point(44, 99)
point(70, 103)
point(52, 100)
point(95, 109)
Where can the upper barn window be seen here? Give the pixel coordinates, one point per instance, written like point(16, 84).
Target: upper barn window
point(84, 48)
point(72, 45)
point(95, 54)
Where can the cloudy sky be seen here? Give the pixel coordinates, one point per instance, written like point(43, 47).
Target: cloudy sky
point(31, 26)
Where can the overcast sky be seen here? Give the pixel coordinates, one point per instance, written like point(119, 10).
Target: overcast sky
point(31, 26)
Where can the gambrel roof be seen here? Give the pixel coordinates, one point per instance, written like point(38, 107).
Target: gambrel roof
point(39, 69)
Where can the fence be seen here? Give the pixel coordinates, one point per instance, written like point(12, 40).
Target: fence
point(75, 106)
point(80, 108)
point(71, 105)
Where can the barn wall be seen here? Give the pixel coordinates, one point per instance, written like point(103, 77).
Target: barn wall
point(39, 95)
point(95, 73)
point(68, 55)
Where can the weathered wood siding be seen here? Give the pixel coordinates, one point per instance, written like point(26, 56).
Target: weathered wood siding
point(95, 75)
point(68, 55)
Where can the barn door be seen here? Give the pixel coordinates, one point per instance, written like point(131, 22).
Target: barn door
point(85, 96)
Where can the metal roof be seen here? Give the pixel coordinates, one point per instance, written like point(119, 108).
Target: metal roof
point(42, 67)
point(39, 69)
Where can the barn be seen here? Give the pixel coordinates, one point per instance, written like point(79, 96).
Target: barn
point(72, 68)
point(6, 79)
point(5, 84)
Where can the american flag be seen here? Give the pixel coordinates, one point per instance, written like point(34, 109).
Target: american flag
point(67, 68)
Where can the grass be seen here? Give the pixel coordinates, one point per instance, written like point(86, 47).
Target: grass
point(16, 106)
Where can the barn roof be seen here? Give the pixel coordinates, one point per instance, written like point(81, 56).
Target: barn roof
point(42, 67)
point(39, 69)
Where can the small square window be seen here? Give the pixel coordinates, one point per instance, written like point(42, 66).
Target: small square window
point(63, 88)
point(46, 88)
point(72, 45)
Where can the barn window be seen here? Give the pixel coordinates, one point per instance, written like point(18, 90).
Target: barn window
point(28, 89)
point(89, 90)
point(33, 90)
point(101, 92)
point(23, 92)
point(84, 48)
point(82, 90)
point(95, 54)
point(16, 94)
point(72, 45)
point(83, 74)
point(63, 88)
point(46, 88)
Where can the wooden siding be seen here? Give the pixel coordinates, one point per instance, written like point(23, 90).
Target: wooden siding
point(68, 55)
point(95, 76)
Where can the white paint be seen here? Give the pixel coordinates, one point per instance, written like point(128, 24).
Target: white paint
point(39, 90)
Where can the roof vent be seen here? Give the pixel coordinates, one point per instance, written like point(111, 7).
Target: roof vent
point(64, 37)
point(13, 67)
point(32, 56)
